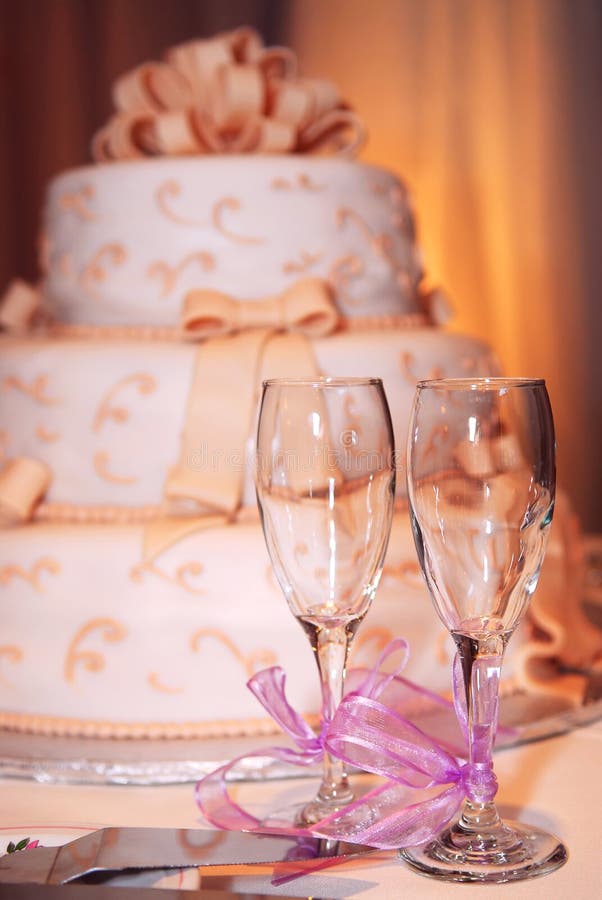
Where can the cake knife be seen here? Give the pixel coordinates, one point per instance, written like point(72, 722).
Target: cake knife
point(112, 850)
point(78, 891)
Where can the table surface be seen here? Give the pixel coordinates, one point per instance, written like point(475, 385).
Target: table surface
point(554, 783)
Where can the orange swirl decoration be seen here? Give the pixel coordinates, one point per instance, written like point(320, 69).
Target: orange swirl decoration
point(108, 411)
point(251, 662)
point(94, 272)
point(13, 654)
point(31, 575)
point(180, 578)
point(36, 389)
point(110, 631)
point(227, 94)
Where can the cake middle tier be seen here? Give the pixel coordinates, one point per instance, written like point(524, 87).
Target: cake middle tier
point(108, 416)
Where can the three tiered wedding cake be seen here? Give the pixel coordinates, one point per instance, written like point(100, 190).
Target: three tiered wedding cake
point(135, 589)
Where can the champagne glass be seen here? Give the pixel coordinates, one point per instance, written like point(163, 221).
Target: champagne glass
point(481, 479)
point(325, 479)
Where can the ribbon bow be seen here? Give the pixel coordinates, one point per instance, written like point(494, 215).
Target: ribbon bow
point(228, 94)
point(23, 483)
point(211, 793)
point(373, 735)
point(306, 307)
point(370, 735)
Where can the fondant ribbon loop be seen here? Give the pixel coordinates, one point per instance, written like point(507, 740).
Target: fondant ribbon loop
point(307, 307)
point(229, 94)
point(18, 307)
point(23, 483)
point(376, 736)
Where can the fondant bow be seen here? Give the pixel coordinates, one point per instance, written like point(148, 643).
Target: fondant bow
point(23, 483)
point(244, 348)
point(307, 307)
point(18, 307)
point(227, 94)
point(222, 405)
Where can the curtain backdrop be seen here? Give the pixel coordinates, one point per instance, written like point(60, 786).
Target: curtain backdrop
point(490, 109)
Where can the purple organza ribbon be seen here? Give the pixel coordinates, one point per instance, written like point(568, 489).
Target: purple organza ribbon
point(373, 735)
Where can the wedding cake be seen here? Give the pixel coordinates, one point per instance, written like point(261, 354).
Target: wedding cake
point(210, 246)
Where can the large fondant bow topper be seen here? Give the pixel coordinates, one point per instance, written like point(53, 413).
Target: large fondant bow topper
point(227, 94)
point(307, 307)
point(370, 731)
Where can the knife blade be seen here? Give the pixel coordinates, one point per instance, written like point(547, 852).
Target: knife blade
point(111, 850)
point(106, 892)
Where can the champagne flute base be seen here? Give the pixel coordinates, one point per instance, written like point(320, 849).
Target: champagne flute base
point(319, 808)
point(514, 853)
point(305, 815)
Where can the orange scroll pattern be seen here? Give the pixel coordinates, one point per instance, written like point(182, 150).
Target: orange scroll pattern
point(154, 680)
point(78, 203)
point(165, 193)
point(437, 436)
point(37, 389)
point(401, 215)
point(225, 205)
point(167, 275)
point(12, 654)
point(302, 264)
point(251, 663)
point(94, 274)
point(302, 182)
point(45, 435)
point(108, 630)
point(368, 644)
point(108, 410)
point(408, 572)
point(32, 576)
point(380, 243)
point(408, 370)
point(342, 273)
point(180, 579)
point(101, 462)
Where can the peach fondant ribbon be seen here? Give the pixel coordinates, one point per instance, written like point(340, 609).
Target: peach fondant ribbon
point(227, 94)
point(23, 483)
point(307, 307)
point(221, 412)
point(229, 367)
point(18, 307)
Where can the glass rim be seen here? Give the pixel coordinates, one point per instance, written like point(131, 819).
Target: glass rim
point(321, 381)
point(494, 383)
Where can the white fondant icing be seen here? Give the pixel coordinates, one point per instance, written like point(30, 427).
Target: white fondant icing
point(123, 403)
point(155, 619)
point(159, 215)
point(162, 651)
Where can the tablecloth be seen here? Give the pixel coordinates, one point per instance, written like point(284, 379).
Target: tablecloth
point(555, 783)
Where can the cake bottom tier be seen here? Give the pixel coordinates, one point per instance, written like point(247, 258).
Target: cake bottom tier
point(96, 642)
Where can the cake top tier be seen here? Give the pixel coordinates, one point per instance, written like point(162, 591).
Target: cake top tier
point(127, 244)
point(211, 192)
point(225, 94)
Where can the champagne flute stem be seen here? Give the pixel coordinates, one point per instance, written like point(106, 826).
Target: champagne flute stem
point(481, 658)
point(331, 648)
